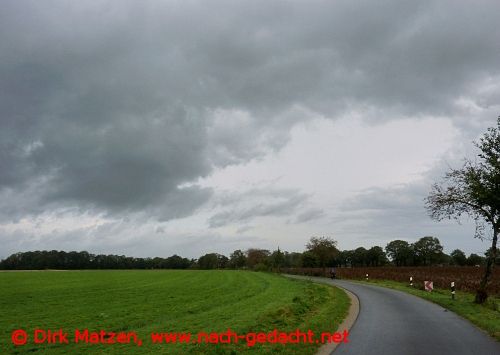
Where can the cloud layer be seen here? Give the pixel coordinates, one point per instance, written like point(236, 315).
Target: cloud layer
point(117, 108)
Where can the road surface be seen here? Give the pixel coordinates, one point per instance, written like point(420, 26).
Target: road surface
point(392, 322)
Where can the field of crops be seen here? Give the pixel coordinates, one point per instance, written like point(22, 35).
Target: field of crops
point(148, 301)
point(466, 278)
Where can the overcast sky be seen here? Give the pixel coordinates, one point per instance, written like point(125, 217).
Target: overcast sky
point(150, 128)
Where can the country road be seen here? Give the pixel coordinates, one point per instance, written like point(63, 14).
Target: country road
point(392, 322)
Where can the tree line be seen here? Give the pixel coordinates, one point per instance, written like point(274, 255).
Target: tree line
point(320, 252)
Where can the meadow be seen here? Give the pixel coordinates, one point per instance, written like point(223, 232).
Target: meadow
point(159, 301)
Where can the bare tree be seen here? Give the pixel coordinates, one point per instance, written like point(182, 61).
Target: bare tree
point(474, 190)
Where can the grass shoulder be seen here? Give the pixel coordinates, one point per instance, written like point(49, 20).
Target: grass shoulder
point(486, 317)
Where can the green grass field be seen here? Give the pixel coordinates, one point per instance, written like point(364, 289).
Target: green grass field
point(486, 317)
point(164, 301)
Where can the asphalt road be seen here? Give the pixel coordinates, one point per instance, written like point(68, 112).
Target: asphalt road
point(393, 322)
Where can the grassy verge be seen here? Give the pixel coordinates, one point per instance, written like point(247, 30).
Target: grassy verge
point(486, 317)
point(164, 301)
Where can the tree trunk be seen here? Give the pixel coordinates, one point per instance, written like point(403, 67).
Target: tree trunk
point(481, 294)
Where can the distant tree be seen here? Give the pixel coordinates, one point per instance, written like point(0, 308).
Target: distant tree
point(176, 262)
point(237, 259)
point(445, 259)
point(83, 260)
point(458, 257)
point(309, 259)
point(474, 190)
point(257, 256)
point(209, 261)
point(277, 259)
point(359, 257)
point(325, 250)
point(375, 256)
point(222, 261)
point(428, 251)
point(400, 252)
point(345, 258)
point(293, 259)
point(194, 264)
point(156, 263)
point(475, 260)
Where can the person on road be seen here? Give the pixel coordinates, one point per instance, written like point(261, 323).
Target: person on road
point(333, 274)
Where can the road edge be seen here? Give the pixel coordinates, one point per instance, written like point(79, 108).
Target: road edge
point(349, 320)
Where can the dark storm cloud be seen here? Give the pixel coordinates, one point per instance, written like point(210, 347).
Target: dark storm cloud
point(110, 106)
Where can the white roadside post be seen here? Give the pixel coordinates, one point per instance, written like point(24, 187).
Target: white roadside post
point(366, 277)
point(453, 290)
point(411, 281)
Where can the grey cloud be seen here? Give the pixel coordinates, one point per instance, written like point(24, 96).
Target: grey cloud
point(262, 191)
point(244, 229)
point(378, 215)
point(123, 165)
point(403, 205)
point(128, 101)
point(258, 203)
point(309, 215)
point(406, 200)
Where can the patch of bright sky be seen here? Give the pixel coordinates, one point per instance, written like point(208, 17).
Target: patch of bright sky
point(334, 159)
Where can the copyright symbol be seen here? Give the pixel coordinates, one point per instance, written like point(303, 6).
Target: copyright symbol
point(19, 337)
